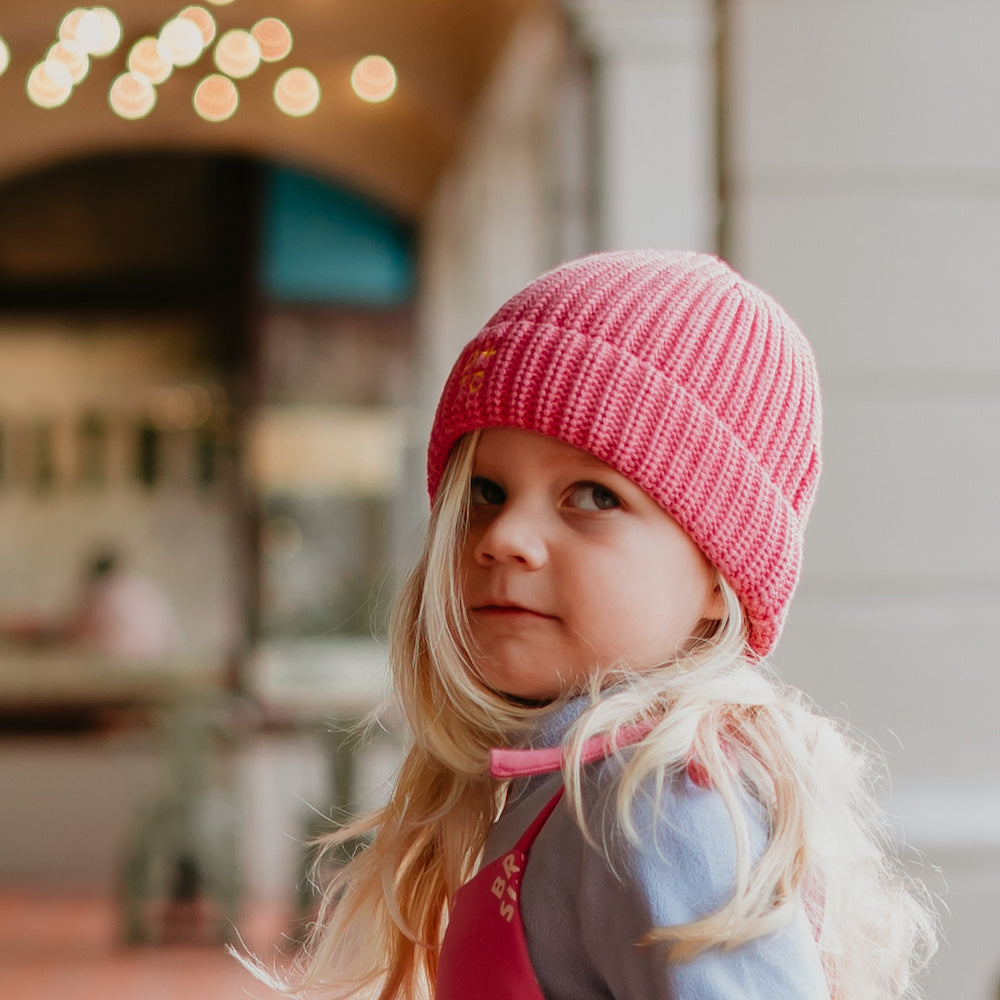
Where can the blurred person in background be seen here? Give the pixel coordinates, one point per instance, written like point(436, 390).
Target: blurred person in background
point(118, 612)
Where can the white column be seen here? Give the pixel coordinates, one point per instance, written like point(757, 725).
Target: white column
point(866, 179)
point(655, 114)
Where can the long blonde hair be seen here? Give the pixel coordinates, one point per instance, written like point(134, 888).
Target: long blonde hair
point(383, 914)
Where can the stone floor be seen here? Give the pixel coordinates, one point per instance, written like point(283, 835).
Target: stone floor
point(66, 947)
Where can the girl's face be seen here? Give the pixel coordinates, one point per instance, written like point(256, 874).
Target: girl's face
point(568, 566)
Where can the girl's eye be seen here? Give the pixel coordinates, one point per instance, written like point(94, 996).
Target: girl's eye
point(592, 496)
point(485, 491)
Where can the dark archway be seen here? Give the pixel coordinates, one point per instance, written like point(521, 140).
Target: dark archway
point(184, 308)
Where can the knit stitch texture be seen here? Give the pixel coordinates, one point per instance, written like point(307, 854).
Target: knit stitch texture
point(684, 377)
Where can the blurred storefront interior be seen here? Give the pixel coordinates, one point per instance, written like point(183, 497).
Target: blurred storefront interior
point(224, 321)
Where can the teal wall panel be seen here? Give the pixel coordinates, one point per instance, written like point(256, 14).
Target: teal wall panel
point(325, 244)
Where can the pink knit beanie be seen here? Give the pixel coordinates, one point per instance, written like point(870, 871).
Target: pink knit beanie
point(684, 377)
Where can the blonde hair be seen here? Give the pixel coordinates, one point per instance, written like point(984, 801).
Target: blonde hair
point(383, 914)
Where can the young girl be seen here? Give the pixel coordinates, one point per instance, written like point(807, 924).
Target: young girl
point(606, 793)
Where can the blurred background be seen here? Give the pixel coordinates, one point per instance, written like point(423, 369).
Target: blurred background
point(240, 244)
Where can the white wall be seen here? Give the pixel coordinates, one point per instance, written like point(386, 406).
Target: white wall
point(865, 181)
point(654, 171)
point(509, 205)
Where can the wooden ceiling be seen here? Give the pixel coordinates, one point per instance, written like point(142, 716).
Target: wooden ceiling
point(443, 51)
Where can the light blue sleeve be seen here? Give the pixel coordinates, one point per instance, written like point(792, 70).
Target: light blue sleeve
point(681, 868)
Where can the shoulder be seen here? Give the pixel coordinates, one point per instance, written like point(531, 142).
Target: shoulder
point(672, 840)
point(590, 898)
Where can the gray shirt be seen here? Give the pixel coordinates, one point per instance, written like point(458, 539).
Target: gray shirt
point(585, 910)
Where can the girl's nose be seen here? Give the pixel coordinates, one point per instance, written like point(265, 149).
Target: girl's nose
point(512, 536)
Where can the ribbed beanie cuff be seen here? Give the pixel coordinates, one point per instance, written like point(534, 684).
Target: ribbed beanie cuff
point(681, 375)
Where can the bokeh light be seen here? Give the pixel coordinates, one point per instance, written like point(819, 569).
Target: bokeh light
point(150, 58)
point(297, 92)
point(374, 79)
point(98, 31)
point(49, 84)
point(237, 53)
point(4, 56)
point(69, 24)
point(182, 41)
point(132, 95)
point(204, 21)
point(72, 57)
point(216, 98)
point(273, 37)
point(88, 32)
point(112, 31)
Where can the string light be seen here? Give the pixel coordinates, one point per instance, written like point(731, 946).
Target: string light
point(273, 37)
point(297, 92)
point(374, 79)
point(237, 53)
point(149, 58)
point(132, 95)
point(182, 41)
point(69, 24)
point(72, 57)
point(216, 98)
point(98, 31)
point(204, 21)
point(112, 27)
point(91, 32)
point(49, 84)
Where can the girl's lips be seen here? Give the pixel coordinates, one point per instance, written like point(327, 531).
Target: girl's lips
point(507, 611)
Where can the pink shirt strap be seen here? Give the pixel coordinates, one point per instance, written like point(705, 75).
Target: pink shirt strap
point(524, 763)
